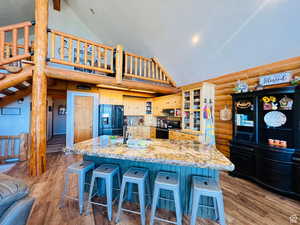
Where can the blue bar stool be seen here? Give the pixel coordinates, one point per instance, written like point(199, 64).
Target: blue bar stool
point(139, 176)
point(81, 169)
point(106, 172)
point(203, 186)
point(167, 181)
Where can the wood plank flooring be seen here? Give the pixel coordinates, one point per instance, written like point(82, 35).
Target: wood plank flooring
point(245, 202)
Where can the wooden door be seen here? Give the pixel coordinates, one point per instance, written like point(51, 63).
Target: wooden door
point(83, 118)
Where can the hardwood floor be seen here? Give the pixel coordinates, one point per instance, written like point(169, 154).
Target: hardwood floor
point(245, 202)
point(56, 143)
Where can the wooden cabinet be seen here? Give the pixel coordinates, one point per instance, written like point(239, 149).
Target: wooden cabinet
point(166, 102)
point(197, 103)
point(181, 136)
point(152, 132)
point(111, 97)
point(134, 106)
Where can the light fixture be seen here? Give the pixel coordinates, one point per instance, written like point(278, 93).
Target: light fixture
point(20, 101)
point(196, 39)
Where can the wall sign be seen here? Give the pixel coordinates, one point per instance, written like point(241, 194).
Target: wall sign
point(278, 78)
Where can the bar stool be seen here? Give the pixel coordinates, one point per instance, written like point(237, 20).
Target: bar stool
point(139, 176)
point(167, 181)
point(106, 172)
point(202, 186)
point(81, 169)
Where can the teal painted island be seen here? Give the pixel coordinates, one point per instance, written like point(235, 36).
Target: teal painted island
point(186, 158)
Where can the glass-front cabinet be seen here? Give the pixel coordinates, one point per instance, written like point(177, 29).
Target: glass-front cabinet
point(194, 101)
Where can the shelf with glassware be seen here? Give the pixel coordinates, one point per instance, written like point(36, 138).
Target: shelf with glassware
point(194, 102)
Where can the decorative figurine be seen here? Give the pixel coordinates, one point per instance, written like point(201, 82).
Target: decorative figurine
point(286, 103)
point(241, 87)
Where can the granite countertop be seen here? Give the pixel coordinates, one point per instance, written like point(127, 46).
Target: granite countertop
point(182, 153)
point(185, 132)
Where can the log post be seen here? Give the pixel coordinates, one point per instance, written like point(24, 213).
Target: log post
point(119, 63)
point(37, 164)
point(24, 146)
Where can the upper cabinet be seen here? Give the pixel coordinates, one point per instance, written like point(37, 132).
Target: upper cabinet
point(134, 106)
point(172, 102)
point(198, 108)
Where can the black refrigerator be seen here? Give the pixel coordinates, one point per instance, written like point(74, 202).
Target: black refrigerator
point(111, 119)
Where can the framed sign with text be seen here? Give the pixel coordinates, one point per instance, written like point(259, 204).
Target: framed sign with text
point(278, 78)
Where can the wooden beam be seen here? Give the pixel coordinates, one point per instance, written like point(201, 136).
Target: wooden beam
point(37, 163)
point(14, 97)
point(155, 59)
point(119, 63)
point(64, 74)
point(13, 79)
point(57, 5)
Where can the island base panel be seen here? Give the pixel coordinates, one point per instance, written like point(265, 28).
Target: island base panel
point(185, 174)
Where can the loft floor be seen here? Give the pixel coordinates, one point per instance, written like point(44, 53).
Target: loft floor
point(245, 202)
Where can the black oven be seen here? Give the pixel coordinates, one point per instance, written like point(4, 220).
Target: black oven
point(162, 133)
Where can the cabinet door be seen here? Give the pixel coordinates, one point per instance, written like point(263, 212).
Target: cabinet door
point(296, 175)
point(275, 173)
point(243, 158)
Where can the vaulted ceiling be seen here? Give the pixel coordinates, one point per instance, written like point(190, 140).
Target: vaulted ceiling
point(194, 39)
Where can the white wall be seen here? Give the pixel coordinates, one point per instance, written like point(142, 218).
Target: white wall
point(68, 22)
point(16, 124)
point(59, 121)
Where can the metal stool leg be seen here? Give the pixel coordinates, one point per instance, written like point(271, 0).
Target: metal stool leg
point(109, 193)
point(81, 183)
point(195, 206)
point(178, 207)
point(121, 201)
point(141, 187)
point(154, 204)
point(90, 195)
point(220, 204)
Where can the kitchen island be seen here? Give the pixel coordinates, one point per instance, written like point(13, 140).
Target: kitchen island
point(187, 158)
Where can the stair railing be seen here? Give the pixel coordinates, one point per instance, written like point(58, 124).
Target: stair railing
point(143, 68)
point(14, 42)
point(83, 55)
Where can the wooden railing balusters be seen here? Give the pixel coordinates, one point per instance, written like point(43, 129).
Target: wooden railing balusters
point(140, 59)
point(14, 42)
point(62, 49)
point(2, 41)
point(78, 52)
point(85, 53)
point(105, 58)
point(93, 56)
point(53, 40)
point(131, 64)
point(126, 63)
point(70, 50)
point(26, 40)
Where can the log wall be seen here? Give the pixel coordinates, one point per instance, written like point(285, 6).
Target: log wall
point(225, 85)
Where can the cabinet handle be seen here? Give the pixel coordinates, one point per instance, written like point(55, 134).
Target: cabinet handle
point(296, 159)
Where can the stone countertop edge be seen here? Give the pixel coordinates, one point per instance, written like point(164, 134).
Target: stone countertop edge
point(206, 165)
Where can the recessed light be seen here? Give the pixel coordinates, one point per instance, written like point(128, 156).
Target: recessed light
point(196, 39)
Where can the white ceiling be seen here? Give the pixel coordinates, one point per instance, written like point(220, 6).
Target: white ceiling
point(228, 35)
point(15, 11)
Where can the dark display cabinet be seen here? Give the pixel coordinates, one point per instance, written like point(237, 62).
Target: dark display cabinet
point(265, 145)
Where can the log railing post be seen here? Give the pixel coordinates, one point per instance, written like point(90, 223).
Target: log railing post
point(24, 147)
point(119, 63)
point(38, 146)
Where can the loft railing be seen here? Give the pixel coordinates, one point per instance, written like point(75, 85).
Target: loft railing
point(143, 68)
point(14, 148)
point(81, 54)
point(11, 49)
point(73, 51)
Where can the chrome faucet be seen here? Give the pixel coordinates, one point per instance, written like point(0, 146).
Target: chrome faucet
point(125, 134)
